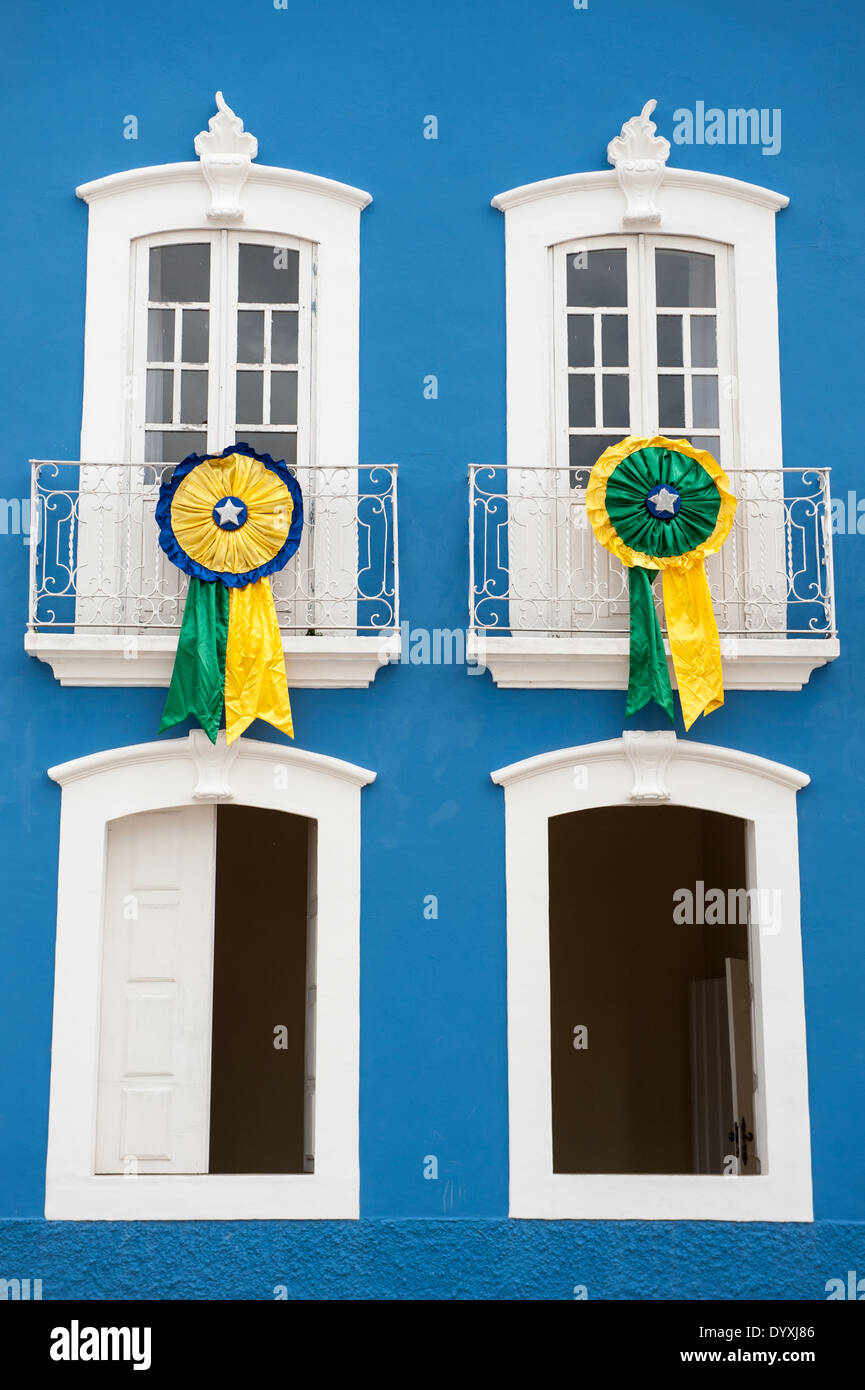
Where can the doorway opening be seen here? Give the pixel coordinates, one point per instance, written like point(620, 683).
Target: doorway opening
point(207, 1039)
point(651, 1021)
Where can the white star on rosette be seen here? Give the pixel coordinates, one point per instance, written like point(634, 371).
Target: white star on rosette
point(665, 501)
point(228, 512)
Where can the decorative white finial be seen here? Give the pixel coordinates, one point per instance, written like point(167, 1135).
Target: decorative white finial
point(640, 157)
point(226, 152)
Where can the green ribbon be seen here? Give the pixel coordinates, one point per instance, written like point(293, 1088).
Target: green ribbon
point(197, 689)
point(633, 479)
point(648, 678)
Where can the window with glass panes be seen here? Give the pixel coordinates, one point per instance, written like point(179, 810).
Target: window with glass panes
point(227, 332)
point(643, 346)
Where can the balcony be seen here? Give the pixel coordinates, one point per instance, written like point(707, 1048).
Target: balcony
point(549, 607)
point(106, 603)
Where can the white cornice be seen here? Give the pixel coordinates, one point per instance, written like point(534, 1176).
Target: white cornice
point(156, 175)
point(615, 750)
point(600, 179)
point(172, 749)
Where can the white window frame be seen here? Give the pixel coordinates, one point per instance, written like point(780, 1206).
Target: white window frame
point(693, 207)
point(270, 204)
point(102, 787)
point(641, 313)
point(583, 558)
point(222, 365)
point(658, 768)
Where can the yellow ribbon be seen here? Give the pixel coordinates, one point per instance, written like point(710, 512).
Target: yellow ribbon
point(255, 682)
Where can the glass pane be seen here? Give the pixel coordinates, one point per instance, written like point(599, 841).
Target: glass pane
point(616, 402)
point(685, 279)
point(250, 335)
point(172, 446)
point(671, 402)
point(283, 337)
point(614, 340)
point(283, 398)
point(158, 397)
point(160, 335)
point(281, 447)
point(704, 350)
point(581, 340)
point(267, 275)
point(196, 335)
point(180, 274)
point(581, 400)
point(705, 401)
point(193, 398)
point(707, 441)
point(585, 450)
point(598, 278)
point(249, 397)
point(670, 340)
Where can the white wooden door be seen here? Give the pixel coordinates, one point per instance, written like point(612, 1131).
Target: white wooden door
point(157, 992)
point(741, 1064)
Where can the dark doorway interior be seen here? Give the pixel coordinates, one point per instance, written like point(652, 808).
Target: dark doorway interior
point(650, 1092)
point(259, 987)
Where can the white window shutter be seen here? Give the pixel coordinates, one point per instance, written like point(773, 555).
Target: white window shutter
point(157, 991)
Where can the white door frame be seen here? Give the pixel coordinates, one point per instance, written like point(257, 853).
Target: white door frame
point(187, 772)
point(658, 768)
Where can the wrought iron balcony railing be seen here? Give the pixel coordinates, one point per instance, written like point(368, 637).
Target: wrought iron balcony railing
point(538, 574)
point(100, 584)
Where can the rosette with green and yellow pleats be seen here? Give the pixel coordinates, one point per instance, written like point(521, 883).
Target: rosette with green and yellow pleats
point(662, 505)
point(229, 521)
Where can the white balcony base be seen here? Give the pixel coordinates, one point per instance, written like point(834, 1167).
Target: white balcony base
point(601, 663)
point(146, 659)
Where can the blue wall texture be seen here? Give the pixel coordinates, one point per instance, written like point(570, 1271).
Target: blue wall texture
point(522, 91)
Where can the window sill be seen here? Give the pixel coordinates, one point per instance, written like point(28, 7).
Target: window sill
point(601, 663)
point(660, 1197)
point(202, 1197)
point(92, 659)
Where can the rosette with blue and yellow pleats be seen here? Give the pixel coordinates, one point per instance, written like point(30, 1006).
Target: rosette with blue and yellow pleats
point(662, 505)
point(229, 521)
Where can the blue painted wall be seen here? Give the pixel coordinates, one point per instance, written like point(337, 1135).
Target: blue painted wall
point(522, 91)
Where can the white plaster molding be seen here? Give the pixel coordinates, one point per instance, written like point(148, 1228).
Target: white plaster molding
point(87, 658)
point(174, 750)
point(605, 180)
point(648, 752)
point(640, 156)
point(213, 765)
point(763, 794)
point(260, 176)
point(101, 787)
point(226, 152)
point(615, 750)
point(601, 663)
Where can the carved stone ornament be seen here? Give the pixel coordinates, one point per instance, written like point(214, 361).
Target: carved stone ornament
point(649, 753)
point(226, 152)
point(213, 763)
point(640, 157)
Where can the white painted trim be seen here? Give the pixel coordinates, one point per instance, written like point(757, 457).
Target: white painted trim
point(317, 663)
point(175, 198)
point(604, 179)
point(161, 175)
point(601, 663)
point(99, 788)
point(573, 209)
point(632, 770)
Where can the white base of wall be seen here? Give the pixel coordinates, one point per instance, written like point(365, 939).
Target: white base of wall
point(601, 663)
point(147, 659)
